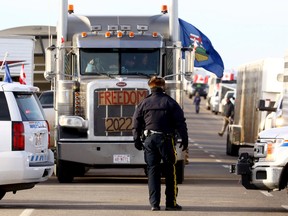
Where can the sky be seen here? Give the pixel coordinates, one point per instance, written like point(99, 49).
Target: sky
point(240, 30)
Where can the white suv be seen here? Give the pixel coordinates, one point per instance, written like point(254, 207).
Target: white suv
point(25, 157)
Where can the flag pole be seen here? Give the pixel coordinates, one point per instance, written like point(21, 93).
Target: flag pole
point(4, 60)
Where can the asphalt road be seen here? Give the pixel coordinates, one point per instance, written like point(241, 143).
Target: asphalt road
point(208, 189)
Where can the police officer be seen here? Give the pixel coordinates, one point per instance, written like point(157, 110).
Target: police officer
point(159, 117)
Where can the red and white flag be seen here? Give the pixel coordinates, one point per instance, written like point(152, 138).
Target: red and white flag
point(22, 78)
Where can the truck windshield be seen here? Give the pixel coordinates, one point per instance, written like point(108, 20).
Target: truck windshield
point(120, 61)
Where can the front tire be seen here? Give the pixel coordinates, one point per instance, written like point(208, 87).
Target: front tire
point(2, 194)
point(64, 172)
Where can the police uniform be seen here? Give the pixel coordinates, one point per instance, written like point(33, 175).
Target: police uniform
point(159, 117)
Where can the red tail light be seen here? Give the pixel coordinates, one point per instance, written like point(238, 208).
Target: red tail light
point(50, 145)
point(18, 137)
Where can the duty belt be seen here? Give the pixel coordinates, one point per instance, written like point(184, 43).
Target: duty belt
point(150, 132)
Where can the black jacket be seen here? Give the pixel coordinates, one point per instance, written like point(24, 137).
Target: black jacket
point(229, 110)
point(159, 112)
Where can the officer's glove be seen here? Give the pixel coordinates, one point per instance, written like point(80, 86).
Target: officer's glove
point(183, 145)
point(138, 144)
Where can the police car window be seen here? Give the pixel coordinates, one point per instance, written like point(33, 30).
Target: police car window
point(4, 111)
point(29, 107)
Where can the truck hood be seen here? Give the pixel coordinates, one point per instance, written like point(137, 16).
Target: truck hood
point(275, 133)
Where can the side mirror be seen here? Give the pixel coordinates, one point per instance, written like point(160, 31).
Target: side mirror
point(50, 55)
point(189, 65)
point(188, 76)
point(261, 106)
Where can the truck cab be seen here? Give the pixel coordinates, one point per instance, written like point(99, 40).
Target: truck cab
point(100, 69)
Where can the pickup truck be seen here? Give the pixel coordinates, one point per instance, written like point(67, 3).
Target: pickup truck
point(267, 169)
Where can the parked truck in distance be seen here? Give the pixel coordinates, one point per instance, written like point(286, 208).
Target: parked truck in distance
point(256, 92)
point(225, 91)
point(267, 168)
point(217, 90)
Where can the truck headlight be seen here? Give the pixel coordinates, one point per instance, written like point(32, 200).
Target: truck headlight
point(279, 121)
point(72, 121)
point(270, 151)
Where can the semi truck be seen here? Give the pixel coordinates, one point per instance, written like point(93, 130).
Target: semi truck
point(18, 52)
point(267, 167)
point(226, 91)
point(100, 72)
point(257, 87)
point(217, 90)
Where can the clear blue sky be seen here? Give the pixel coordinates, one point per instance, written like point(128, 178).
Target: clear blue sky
point(240, 30)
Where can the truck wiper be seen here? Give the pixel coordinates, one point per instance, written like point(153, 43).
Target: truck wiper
point(103, 74)
point(142, 74)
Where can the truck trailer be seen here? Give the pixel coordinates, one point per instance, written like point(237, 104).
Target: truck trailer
point(103, 64)
point(257, 87)
point(267, 167)
point(18, 51)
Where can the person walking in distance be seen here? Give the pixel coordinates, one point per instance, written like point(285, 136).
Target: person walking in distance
point(196, 102)
point(228, 115)
point(159, 118)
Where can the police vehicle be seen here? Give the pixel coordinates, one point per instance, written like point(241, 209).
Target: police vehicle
point(25, 157)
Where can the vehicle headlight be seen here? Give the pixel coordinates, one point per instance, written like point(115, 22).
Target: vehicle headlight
point(279, 121)
point(72, 121)
point(269, 150)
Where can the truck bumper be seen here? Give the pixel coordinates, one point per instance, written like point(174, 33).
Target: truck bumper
point(104, 154)
point(258, 178)
point(266, 178)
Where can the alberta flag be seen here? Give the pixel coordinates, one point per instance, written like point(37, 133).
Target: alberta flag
point(205, 55)
point(7, 77)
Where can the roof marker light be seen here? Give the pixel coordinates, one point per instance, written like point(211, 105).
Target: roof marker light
point(84, 34)
point(119, 34)
point(70, 9)
point(164, 9)
point(108, 34)
point(131, 34)
point(155, 34)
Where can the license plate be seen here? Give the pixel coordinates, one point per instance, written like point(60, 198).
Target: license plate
point(121, 158)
